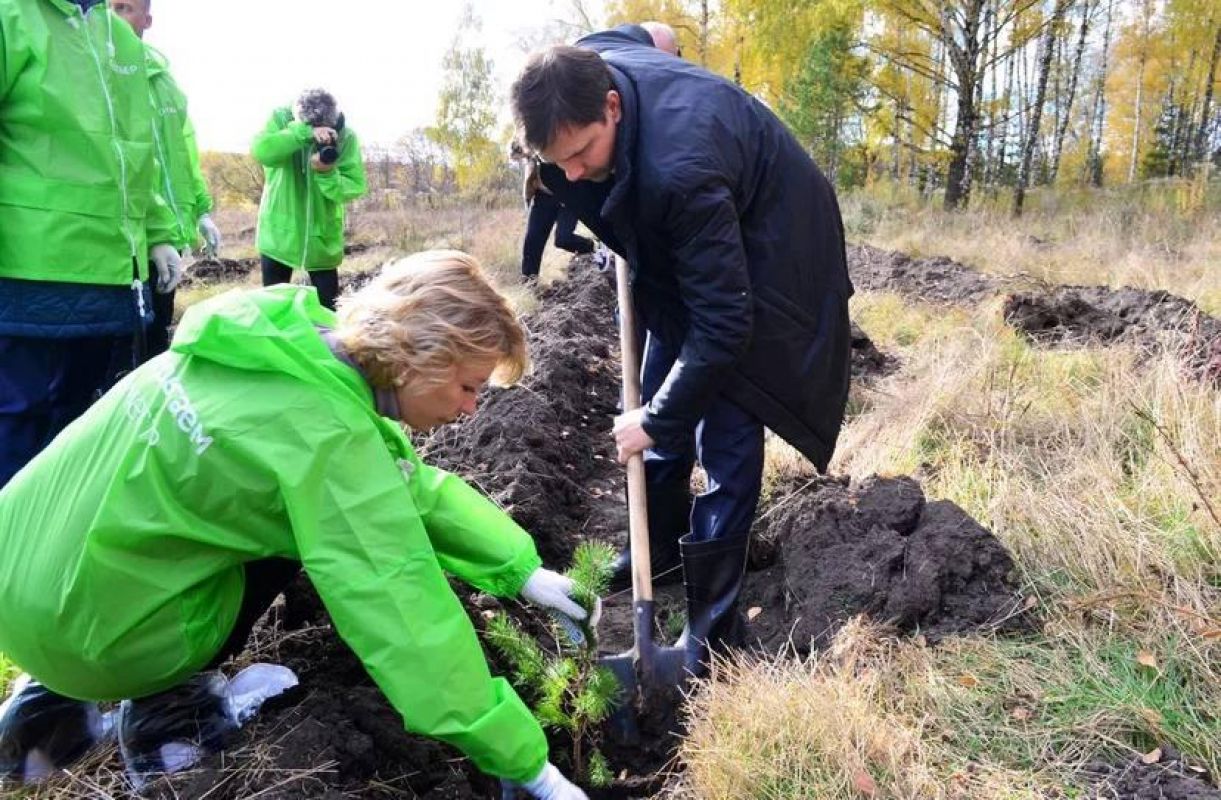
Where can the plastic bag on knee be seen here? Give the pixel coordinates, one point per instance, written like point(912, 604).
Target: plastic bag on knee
point(173, 730)
point(42, 732)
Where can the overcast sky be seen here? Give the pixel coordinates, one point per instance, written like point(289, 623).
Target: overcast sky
point(238, 59)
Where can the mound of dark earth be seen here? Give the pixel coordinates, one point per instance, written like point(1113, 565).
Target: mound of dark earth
point(218, 270)
point(1081, 315)
point(930, 280)
point(828, 550)
point(868, 362)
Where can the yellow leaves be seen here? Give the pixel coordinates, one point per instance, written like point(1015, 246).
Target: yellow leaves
point(968, 681)
point(1147, 660)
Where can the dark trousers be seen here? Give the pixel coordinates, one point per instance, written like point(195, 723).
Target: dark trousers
point(326, 281)
point(157, 339)
point(46, 384)
point(545, 212)
point(728, 443)
point(265, 580)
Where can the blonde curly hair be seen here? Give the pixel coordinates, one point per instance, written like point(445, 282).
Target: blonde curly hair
point(426, 314)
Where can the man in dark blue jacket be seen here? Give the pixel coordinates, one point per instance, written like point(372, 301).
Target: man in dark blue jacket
point(737, 253)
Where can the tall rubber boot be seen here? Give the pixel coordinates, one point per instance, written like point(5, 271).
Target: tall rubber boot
point(669, 506)
point(713, 572)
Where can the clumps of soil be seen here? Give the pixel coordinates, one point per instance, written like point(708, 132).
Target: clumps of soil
point(828, 551)
point(355, 281)
point(868, 362)
point(218, 270)
point(334, 737)
point(1072, 316)
point(930, 280)
point(1167, 778)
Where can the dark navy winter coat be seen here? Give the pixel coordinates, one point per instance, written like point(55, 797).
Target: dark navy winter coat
point(736, 246)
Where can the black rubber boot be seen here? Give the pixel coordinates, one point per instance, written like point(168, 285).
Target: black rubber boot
point(171, 731)
point(712, 572)
point(669, 506)
point(41, 731)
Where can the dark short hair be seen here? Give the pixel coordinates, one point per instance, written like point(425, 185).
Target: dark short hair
point(317, 107)
point(559, 87)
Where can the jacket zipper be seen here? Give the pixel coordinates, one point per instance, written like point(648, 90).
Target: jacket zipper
point(114, 132)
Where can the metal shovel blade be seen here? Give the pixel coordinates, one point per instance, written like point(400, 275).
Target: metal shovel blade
point(643, 669)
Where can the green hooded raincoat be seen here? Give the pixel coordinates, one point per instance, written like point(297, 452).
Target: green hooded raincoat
point(185, 189)
point(77, 174)
point(122, 543)
point(301, 213)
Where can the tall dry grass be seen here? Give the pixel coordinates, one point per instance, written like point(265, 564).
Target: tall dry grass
point(1152, 235)
point(1098, 469)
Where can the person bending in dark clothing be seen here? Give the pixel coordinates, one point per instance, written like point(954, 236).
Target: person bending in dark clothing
point(547, 212)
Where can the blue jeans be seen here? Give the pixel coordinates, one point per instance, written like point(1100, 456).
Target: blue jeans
point(46, 384)
point(728, 443)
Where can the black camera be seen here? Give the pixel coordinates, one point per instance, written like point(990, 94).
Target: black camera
point(329, 153)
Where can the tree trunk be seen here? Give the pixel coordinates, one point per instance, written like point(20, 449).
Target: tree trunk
point(1048, 45)
point(1098, 118)
point(965, 60)
point(1140, 92)
point(1058, 143)
point(1206, 121)
point(989, 153)
point(1002, 157)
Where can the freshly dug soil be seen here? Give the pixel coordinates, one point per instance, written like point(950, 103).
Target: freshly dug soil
point(1166, 779)
point(930, 280)
point(827, 551)
point(1073, 316)
point(868, 362)
point(217, 270)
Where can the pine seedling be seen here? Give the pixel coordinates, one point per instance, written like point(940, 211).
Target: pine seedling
point(568, 691)
point(600, 775)
point(525, 657)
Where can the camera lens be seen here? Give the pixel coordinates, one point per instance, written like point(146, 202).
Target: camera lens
point(328, 154)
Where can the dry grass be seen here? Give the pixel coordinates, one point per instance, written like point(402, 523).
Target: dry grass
point(1154, 236)
point(830, 727)
point(1098, 470)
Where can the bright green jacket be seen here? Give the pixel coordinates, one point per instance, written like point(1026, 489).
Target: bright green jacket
point(301, 213)
point(77, 173)
point(183, 184)
point(122, 543)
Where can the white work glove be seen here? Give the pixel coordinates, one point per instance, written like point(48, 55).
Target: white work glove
point(553, 591)
point(168, 265)
point(551, 785)
point(211, 236)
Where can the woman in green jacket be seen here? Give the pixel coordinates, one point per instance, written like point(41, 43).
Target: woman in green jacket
point(138, 549)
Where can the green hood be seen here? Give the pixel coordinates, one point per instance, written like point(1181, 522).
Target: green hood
point(271, 329)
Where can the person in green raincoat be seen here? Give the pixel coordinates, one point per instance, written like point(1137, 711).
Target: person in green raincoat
point(183, 185)
point(138, 549)
point(312, 167)
point(81, 221)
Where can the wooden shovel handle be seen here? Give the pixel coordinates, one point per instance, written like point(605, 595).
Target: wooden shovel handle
point(637, 509)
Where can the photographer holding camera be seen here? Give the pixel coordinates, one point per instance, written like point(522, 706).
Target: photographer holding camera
point(312, 167)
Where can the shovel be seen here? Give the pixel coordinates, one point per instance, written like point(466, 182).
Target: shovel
point(646, 667)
